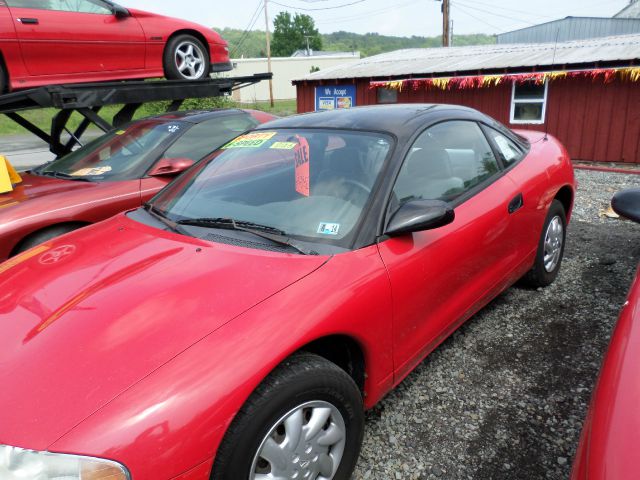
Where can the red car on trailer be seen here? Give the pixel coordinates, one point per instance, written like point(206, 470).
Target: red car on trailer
point(60, 41)
point(236, 327)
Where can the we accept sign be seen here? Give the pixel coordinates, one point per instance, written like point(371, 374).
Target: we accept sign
point(330, 97)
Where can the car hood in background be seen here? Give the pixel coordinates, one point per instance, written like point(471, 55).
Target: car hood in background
point(86, 316)
point(35, 186)
point(37, 196)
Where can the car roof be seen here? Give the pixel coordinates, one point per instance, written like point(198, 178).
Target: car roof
point(197, 116)
point(396, 119)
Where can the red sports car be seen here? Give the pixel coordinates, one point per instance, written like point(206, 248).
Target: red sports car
point(608, 448)
point(237, 326)
point(115, 172)
point(44, 42)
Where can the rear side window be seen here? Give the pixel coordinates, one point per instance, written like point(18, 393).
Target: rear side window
point(507, 149)
point(445, 162)
point(205, 137)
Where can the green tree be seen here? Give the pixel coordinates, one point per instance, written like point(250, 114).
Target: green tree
point(289, 34)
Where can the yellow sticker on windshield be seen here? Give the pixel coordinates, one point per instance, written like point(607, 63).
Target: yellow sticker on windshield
point(87, 172)
point(120, 132)
point(250, 140)
point(284, 145)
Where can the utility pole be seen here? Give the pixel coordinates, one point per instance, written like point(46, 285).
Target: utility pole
point(266, 19)
point(446, 25)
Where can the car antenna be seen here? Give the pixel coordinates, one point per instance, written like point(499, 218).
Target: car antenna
point(553, 61)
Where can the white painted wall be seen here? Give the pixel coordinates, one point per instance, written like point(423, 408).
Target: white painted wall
point(284, 70)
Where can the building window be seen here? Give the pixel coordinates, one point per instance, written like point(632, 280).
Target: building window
point(387, 95)
point(528, 102)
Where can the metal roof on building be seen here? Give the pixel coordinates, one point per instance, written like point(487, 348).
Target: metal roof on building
point(572, 28)
point(323, 53)
point(630, 11)
point(431, 61)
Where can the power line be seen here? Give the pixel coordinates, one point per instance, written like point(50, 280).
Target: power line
point(370, 13)
point(245, 35)
point(321, 8)
point(461, 8)
point(494, 14)
point(513, 10)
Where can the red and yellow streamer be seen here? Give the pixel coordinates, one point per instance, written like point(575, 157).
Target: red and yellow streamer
point(607, 75)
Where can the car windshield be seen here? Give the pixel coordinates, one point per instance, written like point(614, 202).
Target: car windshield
point(308, 184)
point(121, 154)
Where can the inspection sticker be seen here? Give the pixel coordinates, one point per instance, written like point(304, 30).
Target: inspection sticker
point(87, 172)
point(250, 140)
point(327, 228)
point(284, 145)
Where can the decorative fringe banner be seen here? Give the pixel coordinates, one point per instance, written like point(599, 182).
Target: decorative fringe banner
point(607, 75)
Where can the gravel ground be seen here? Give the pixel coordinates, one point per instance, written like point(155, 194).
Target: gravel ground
point(506, 395)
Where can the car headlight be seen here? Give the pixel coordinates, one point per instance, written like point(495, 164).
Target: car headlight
point(20, 464)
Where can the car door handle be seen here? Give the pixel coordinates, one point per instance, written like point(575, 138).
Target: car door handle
point(29, 21)
point(516, 203)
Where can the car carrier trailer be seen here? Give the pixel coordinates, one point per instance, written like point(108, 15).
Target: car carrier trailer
point(88, 99)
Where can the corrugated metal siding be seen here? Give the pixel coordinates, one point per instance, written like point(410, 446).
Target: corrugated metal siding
point(595, 121)
point(572, 28)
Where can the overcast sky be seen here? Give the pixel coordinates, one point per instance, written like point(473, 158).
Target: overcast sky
point(387, 17)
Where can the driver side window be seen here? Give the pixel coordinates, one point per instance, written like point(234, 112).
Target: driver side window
point(445, 161)
point(77, 6)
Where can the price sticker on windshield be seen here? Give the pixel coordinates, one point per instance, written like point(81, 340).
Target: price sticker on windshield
point(91, 171)
point(250, 140)
point(301, 159)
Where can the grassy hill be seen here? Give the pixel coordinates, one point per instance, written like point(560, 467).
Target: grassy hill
point(253, 43)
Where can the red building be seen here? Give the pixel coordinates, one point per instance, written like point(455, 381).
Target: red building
point(586, 93)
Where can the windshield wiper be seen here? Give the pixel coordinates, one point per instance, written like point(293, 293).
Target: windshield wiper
point(264, 231)
point(65, 176)
point(159, 215)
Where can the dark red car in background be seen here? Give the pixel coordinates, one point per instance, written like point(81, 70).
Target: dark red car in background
point(608, 448)
point(117, 171)
point(44, 42)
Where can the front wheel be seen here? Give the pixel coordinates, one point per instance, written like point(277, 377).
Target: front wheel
point(3, 79)
point(186, 58)
point(550, 248)
point(305, 421)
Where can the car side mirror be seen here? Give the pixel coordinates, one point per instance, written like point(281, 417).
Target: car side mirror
point(120, 12)
point(170, 166)
point(626, 203)
point(418, 215)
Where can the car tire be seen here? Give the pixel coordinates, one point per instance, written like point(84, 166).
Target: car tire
point(550, 248)
point(192, 52)
point(305, 391)
point(3, 79)
point(42, 236)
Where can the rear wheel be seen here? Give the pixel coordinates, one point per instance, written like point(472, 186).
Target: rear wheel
point(186, 58)
point(305, 421)
point(550, 248)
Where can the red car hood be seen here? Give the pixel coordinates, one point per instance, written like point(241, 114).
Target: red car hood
point(34, 186)
point(86, 316)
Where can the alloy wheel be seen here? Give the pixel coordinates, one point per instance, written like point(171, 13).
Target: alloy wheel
point(190, 60)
